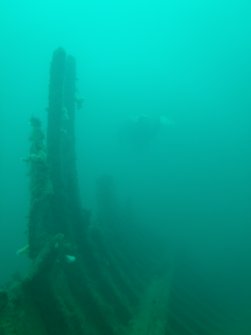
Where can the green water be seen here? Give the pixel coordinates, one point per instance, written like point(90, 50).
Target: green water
point(189, 61)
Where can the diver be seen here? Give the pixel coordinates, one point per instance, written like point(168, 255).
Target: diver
point(141, 131)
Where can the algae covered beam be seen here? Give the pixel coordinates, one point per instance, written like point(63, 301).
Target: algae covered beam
point(55, 117)
point(61, 121)
point(55, 203)
point(61, 144)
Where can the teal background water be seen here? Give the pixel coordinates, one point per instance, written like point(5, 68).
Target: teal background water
point(187, 60)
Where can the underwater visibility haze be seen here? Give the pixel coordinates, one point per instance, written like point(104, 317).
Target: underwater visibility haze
point(162, 123)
